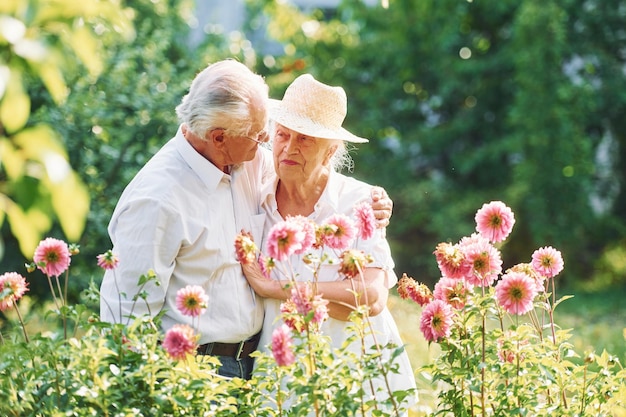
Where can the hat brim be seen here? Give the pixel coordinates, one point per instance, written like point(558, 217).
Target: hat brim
point(308, 127)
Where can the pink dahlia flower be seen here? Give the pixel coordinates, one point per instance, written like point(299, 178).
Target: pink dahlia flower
point(353, 262)
point(365, 220)
point(108, 260)
point(180, 341)
point(289, 314)
point(282, 346)
point(266, 264)
point(436, 321)
point(547, 261)
point(418, 292)
point(451, 260)
point(515, 292)
point(528, 269)
point(192, 300)
point(284, 239)
point(452, 291)
point(12, 287)
point(245, 248)
point(485, 262)
point(52, 256)
point(494, 221)
point(308, 228)
point(307, 303)
point(339, 231)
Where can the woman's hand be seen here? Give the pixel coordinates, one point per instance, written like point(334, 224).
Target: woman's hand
point(263, 286)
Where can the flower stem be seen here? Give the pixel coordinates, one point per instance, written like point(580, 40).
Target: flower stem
point(54, 297)
point(62, 310)
point(19, 316)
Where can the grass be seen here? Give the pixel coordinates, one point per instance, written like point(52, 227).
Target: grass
point(598, 321)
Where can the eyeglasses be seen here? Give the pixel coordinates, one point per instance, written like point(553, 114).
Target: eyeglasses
point(262, 134)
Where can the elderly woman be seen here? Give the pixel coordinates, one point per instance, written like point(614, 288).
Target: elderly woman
point(308, 146)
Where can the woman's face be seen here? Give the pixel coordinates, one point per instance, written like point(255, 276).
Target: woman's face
point(298, 157)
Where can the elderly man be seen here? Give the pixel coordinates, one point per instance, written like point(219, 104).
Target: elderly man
point(181, 213)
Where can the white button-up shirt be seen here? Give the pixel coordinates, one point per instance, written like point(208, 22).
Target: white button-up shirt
point(179, 216)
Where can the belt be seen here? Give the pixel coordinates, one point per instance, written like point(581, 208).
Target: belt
point(238, 351)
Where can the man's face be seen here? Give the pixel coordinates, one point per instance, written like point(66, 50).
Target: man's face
point(243, 148)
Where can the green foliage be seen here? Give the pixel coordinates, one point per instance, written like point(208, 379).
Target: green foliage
point(108, 370)
point(42, 43)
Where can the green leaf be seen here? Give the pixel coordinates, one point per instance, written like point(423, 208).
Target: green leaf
point(70, 199)
point(86, 47)
point(11, 159)
point(26, 227)
point(15, 105)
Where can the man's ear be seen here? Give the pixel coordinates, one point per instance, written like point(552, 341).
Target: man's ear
point(216, 137)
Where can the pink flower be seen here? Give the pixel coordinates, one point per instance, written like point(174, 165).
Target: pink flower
point(282, 346)
point(307, 303)
point(515, 293)
point(52, 256)
point(530, 271)
point(451, 260)
point(289, 314)
point(107, 260)
point(418, 292)
point(547, 261)
point(245, 248)
point(353, 262)
point(452, 291)
point(266, 264)
point(308, 228)
point(192, 300)
point(180, 341)
point(436, 321)
point(284, 239)
point(12, 288)
point(365, 220)
point(338, 231)
point(485, 262)
point(495, 221)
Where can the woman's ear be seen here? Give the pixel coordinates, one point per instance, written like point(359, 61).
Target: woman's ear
point(329, 154)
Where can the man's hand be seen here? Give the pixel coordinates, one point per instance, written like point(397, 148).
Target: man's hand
point(382, 205)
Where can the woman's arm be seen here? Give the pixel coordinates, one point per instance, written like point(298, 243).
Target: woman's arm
point(343, 296)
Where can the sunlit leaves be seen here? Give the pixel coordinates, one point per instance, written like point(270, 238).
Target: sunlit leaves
point(47, 40)
point(15, 105)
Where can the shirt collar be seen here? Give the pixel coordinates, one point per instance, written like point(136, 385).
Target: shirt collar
point(327, 204)
point(208, 173)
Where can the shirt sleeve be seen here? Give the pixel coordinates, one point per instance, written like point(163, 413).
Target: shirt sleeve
point(145, 237)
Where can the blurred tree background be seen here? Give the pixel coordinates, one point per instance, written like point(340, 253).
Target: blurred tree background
point(463, 101)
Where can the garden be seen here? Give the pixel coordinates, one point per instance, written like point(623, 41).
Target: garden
point(512, 110)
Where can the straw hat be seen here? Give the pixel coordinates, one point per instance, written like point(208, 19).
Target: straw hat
point(313, 109)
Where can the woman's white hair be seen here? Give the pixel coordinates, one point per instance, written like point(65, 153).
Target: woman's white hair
point(223, 96)
point(341, 159)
